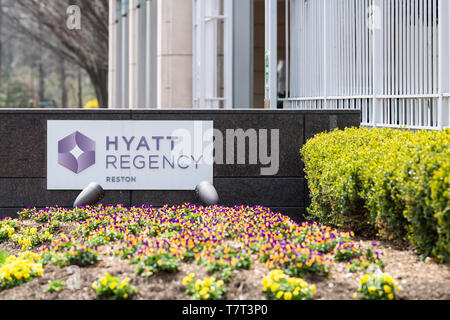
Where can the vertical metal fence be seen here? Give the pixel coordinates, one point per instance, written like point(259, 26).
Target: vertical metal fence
point(388, 58)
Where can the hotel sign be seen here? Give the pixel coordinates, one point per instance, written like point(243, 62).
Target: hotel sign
point(129, 155)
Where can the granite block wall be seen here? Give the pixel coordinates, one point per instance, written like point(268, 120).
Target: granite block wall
point(23, 157)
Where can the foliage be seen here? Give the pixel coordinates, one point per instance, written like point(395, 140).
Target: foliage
point(113, 288)
point(376, 286)
point(393, 181)
point(206, 289)
point(14, 94)
point(278, 285)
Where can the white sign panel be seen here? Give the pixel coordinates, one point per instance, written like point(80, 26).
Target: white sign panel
point(129, 155)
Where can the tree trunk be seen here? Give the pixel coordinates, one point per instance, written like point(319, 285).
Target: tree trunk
point(1, 43)
point(99, 79)
point(41, 89)
point(62, 80)
point(80, 89)
point(41, 75)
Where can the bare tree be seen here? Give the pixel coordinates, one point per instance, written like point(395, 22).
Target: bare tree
point(86, 47)
point(41, 70)
point(80, 89)
point(62, 80)
point(1, 43)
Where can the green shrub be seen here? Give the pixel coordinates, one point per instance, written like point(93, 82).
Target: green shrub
point(395, 182)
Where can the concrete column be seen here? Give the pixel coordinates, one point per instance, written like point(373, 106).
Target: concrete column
point(271, 54)
point(142, 39)
point(151, 44)
point(112, 55)
point(174, 54)
point(132, 91)
point(125, 53)
point(243, 54)
point(118, 53)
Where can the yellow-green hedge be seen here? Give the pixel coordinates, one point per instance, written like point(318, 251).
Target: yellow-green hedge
point(393, 181)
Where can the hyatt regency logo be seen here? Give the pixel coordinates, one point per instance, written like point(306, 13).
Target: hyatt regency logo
point(76, 152)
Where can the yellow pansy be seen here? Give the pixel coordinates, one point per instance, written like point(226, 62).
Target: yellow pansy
point(274, 287)
point(280, 294)
point(313, 288)
point(287, 296)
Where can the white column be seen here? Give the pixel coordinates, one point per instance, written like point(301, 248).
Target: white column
point(444, 65)
point(150, 54)
point(125, 45)
point(201, 59)
point(112, 55)
point(132, 91)
point(378, 47)
point(243, 43)
point(271, 95)
point(119, 41)
point(228, 54)
point(141, 61)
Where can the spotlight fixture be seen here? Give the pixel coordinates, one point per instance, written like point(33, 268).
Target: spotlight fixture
point(206, 193)
point(92, 194)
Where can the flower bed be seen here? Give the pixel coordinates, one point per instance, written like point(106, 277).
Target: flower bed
point(222, 241)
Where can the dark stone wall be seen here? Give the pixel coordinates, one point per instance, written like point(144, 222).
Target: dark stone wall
point(23, 157)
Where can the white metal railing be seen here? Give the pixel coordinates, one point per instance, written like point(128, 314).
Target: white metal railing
point(388, 58)
point(212, 54)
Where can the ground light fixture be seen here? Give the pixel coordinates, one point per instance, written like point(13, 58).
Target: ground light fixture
point(206, 193)
point(90, 195)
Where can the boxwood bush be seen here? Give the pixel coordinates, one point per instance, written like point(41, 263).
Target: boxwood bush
point(394, 182)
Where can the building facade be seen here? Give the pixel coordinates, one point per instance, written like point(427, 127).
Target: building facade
point(154, 45)
point(389, 59)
